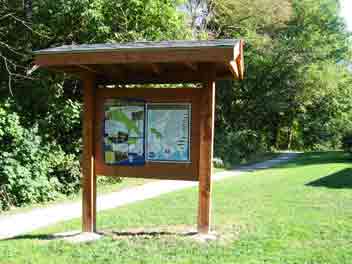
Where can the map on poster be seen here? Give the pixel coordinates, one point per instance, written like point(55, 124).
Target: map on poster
point(168, 132)
point(124, 132)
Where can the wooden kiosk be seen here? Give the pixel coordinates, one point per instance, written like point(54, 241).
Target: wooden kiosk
point(162, 133)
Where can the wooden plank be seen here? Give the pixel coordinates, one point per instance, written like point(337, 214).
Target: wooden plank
point(240, 61)
point(236, 65)
point(234, 69)
point(223, 54)
point(155, 68)
point(89, 176)
point(89, 69)
point(126, 73)
point(206, 151)
point(169, 94)
point(155, 170)
point(74, 70)
point(191, 66)
point(167, 76)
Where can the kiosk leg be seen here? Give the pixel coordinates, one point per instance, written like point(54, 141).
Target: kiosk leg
point(89, 177)
point(206, 155)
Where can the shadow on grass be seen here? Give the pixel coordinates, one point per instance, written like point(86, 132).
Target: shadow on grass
point(106, 233)
point(39, 237)
point(339, 180)
point(144, 234)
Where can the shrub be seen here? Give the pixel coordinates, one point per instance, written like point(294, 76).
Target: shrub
point(237, 146)
point(31, 171)
point(347, 142)
point(62, 119)
point(218, 162)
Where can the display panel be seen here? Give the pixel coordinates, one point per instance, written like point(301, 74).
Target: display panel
point(153, 169)
point(124, 132)
point(168, 132)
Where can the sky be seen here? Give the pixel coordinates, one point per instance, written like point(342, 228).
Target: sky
point(346, 12)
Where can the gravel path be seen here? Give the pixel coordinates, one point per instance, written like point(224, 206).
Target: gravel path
point(17, 224)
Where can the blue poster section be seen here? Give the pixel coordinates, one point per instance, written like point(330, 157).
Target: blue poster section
point(168, 132)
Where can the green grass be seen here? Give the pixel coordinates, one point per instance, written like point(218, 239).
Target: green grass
point(108, 187)
point(300, 212)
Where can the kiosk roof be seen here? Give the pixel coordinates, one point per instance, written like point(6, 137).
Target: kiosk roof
point(143, 62)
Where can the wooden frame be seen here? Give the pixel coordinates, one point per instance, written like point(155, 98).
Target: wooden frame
point(207, 117)
point(156, 170)
point(88, 159)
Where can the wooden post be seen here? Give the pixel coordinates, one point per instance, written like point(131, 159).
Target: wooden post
point(207, 111)
point(89, 177)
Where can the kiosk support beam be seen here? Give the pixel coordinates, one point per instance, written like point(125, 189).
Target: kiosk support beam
point(206, 150)
point(88, 160)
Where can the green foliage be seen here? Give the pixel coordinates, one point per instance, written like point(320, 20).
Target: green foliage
point(31, 171)
point(62, 119)
point(347, 142)
point(326, 111)
point(296, 93)
point(43, 121)
point(236, 146)
point(247, 17)
point(84, 21)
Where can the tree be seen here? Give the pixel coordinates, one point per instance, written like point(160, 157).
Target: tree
point(282, 51)
point(52, 102)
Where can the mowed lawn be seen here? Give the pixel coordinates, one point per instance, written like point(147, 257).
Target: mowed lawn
point(300, 212)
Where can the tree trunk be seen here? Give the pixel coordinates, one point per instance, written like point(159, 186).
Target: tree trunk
point(289, 137)
point(275, 133)
point(27, 6)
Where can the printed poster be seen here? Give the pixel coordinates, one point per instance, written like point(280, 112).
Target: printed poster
point(124, 132)
point(168, 132)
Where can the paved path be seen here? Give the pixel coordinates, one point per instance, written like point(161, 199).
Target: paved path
point(13, 225)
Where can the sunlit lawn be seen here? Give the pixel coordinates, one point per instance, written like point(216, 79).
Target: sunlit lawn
point(104, 187)
point(300, 212)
